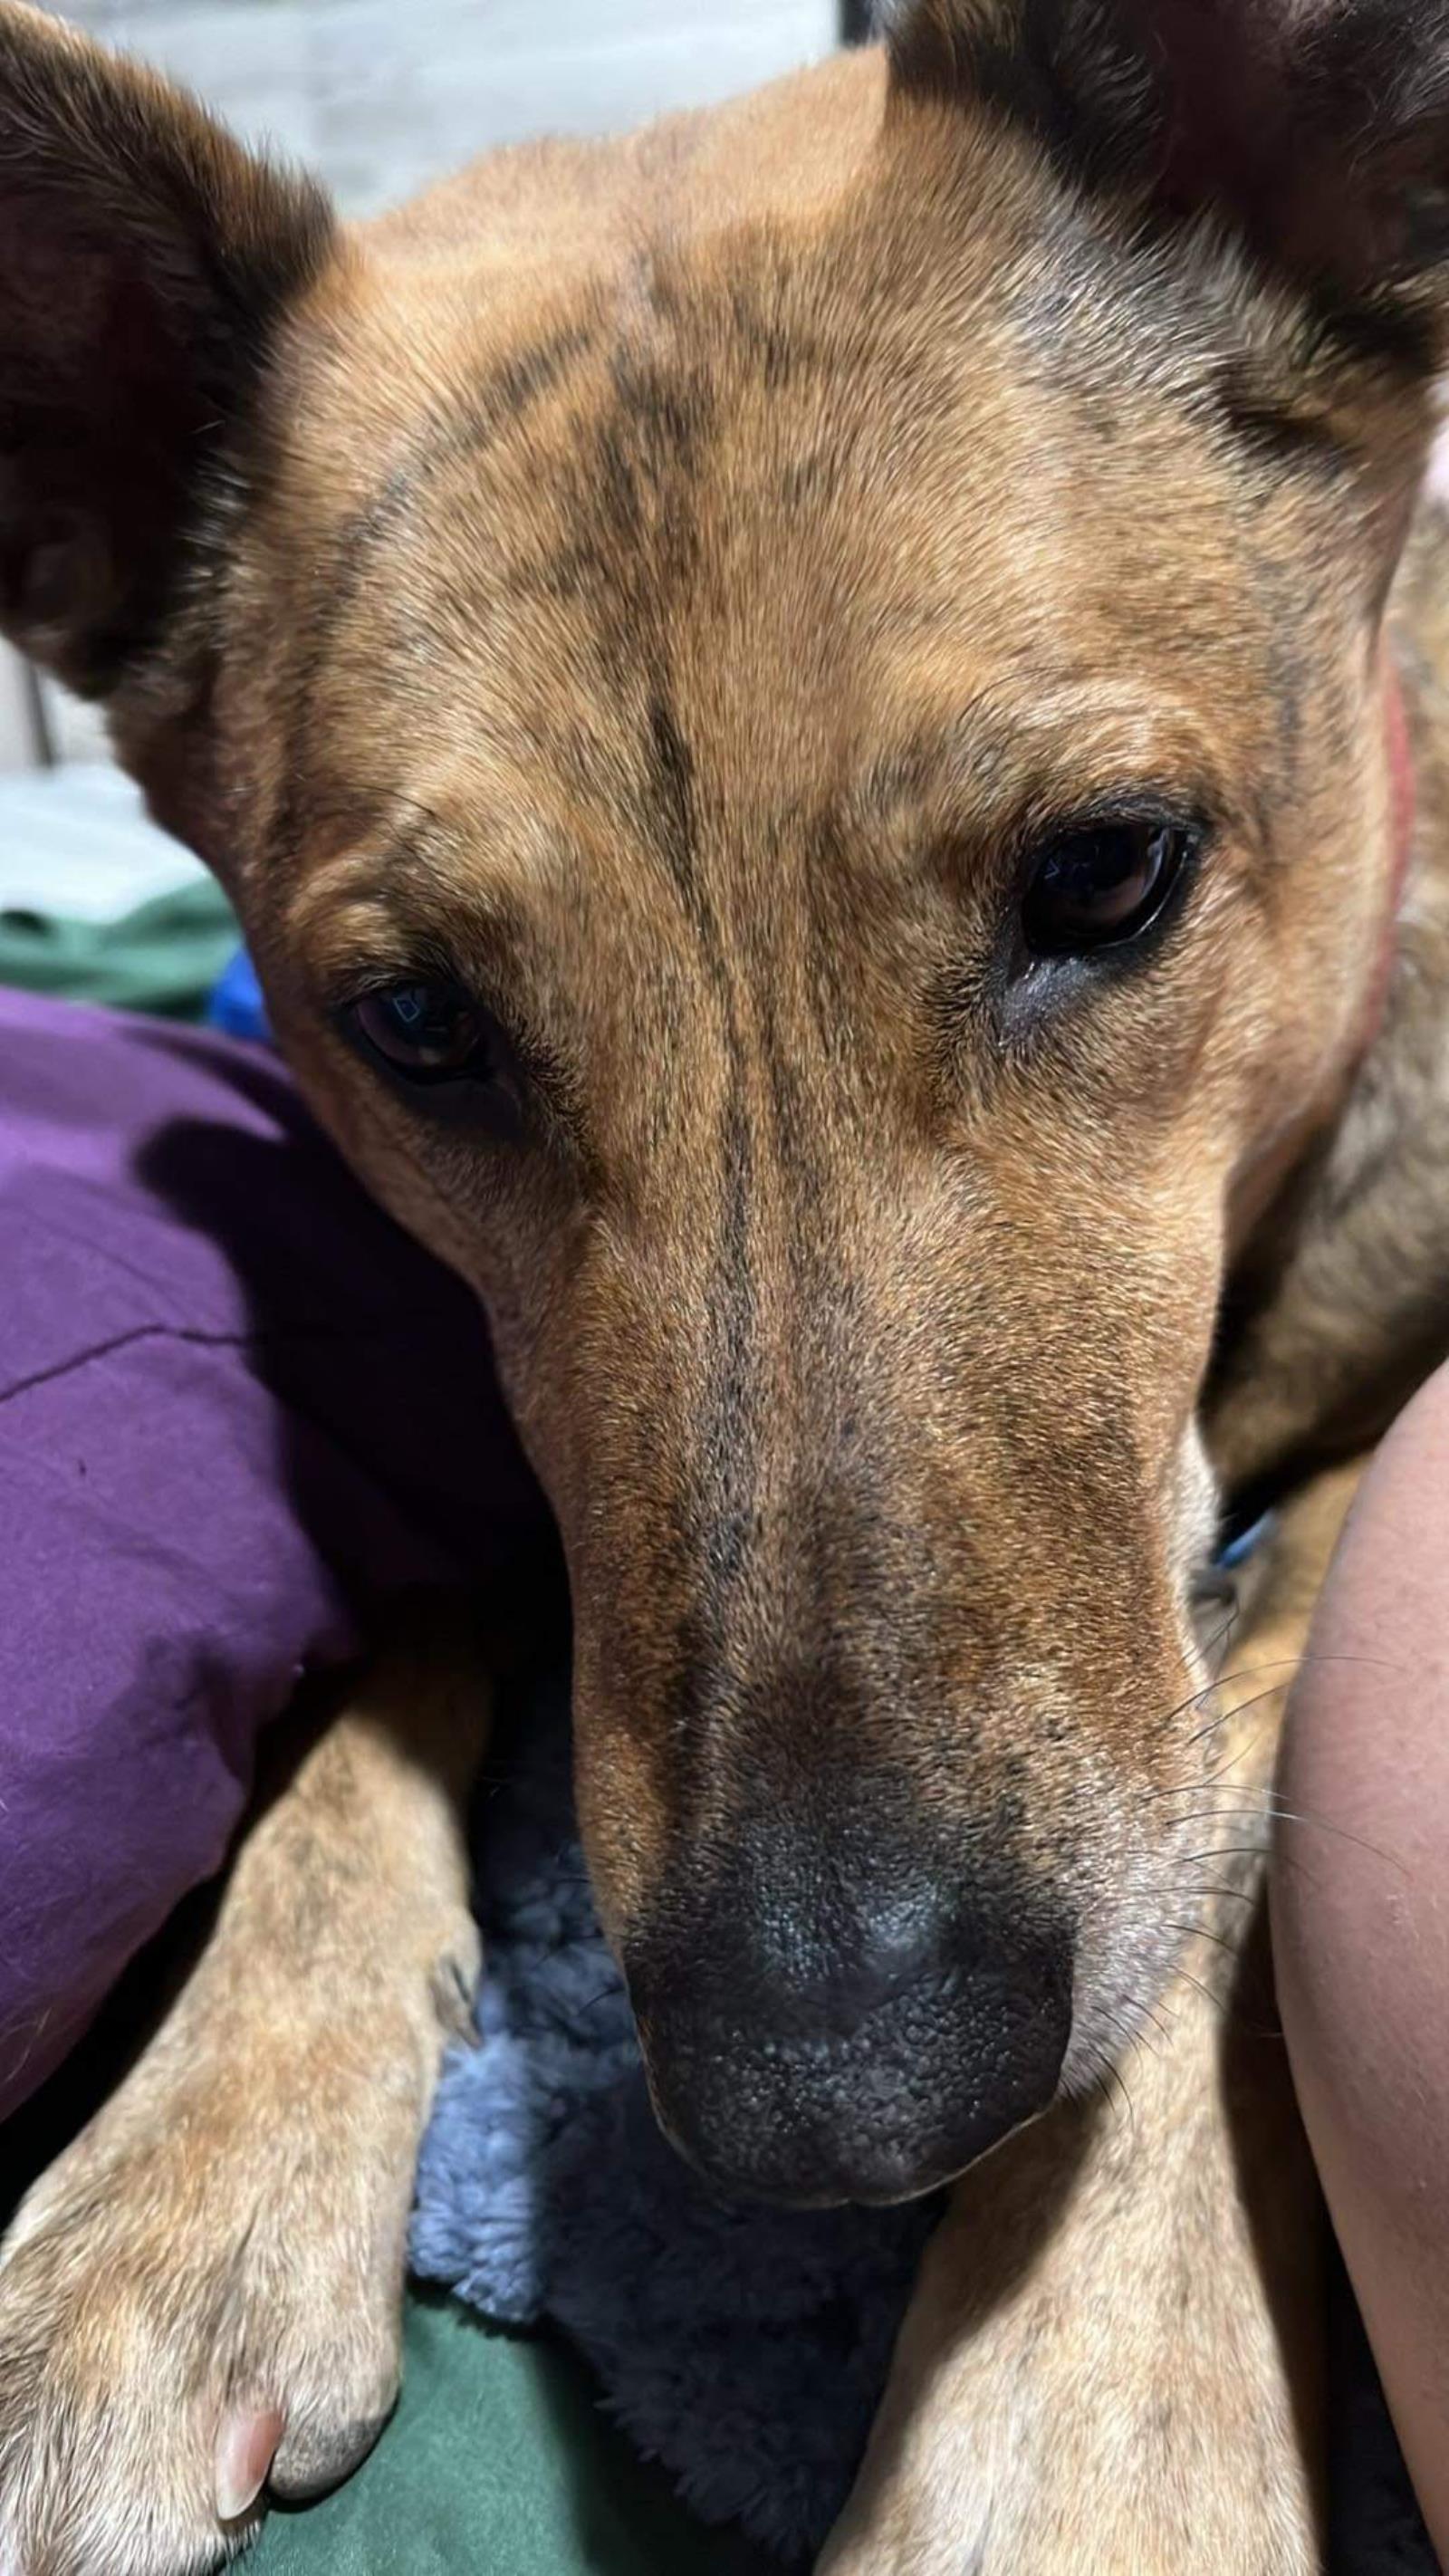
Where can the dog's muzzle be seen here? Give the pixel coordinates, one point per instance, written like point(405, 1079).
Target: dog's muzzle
point(817, 2031)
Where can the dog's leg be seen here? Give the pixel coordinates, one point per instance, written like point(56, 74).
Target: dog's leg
point(1111, 2360)
point(204, 2293)
point(1092, 2376)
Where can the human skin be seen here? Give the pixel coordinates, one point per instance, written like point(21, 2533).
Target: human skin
point(1360, 1900)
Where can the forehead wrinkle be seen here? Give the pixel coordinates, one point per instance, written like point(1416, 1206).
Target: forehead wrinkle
point(994, 767)
point(556, 948)
point(485, 392)
point(396, 897)
point(479, 408)
point(341, 906)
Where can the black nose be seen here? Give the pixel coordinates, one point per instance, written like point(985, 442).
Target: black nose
point(817, 2029)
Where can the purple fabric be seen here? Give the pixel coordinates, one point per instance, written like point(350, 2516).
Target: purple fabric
point(236, 1406)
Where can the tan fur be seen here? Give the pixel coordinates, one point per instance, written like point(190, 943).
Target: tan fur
point(677, 584)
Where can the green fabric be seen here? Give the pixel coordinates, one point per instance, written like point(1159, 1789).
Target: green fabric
point(164, 956)
point(498, 2462)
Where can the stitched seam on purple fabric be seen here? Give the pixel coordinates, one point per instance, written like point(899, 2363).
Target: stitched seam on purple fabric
point(280, 1336)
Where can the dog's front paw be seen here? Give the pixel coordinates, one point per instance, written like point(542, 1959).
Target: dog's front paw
point(1027, 2464)
point(1093, 2375)
point(202, 2299)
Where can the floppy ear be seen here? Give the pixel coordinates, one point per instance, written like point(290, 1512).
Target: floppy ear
point(145, 263)
point(1318, 128)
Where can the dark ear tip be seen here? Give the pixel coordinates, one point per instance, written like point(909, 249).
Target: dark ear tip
point(146, 262)
point(34, 44)
point(73, 110)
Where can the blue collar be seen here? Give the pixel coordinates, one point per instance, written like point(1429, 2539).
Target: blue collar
point(1238, 1543)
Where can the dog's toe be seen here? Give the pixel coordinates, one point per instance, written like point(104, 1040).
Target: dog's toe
point(315, 2457)
point(179, 2343)
point(124, 2450)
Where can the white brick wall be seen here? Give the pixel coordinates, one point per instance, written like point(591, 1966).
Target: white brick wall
point(17, 744)
point(378, 96)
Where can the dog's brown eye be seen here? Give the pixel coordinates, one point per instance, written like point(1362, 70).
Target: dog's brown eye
point(1099, 888)
point(429, 1032)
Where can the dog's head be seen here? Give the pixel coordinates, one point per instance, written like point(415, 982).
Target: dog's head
point(794, 713)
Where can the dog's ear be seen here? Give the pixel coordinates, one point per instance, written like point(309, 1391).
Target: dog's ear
point(145, 262)
point(1318, 128)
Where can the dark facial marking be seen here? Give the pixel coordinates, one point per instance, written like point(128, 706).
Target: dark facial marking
point(812, 480)
point(1276, 429)
point(663, 417)
point(469, 423)
point(669, 768)
point(1401, 338)
point(732, 1436)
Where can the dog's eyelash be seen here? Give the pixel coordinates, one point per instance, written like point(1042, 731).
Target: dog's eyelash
point(424, 965)
point(1157, 807)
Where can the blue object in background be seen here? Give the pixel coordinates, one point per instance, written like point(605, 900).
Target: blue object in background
point(1239, 1545)
point(235, 1004)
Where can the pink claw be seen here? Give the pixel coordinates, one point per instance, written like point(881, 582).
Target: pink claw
point(245, 2449)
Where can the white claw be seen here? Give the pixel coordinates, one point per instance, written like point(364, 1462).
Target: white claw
point(245, 2449)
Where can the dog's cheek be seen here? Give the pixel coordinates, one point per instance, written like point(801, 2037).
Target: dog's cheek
point(1128, 1878)
point(1126, 1946)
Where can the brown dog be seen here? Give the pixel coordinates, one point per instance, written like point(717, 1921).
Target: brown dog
point(805, 717)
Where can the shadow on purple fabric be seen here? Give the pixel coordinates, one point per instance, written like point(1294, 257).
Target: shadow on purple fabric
point(236, 1404)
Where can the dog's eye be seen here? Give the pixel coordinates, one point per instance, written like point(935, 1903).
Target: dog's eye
point(428, 1032)
point(1099, 888)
